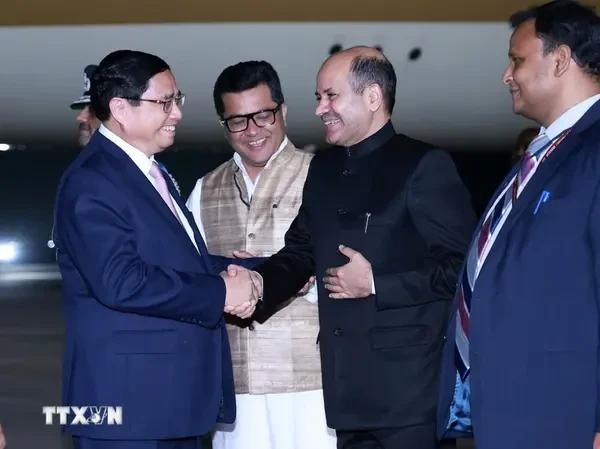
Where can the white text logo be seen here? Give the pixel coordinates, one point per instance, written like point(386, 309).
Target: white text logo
point(88, 415)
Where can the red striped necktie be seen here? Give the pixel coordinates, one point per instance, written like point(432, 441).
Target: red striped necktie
point(529, 161)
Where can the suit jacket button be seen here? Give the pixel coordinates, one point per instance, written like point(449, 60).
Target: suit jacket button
point(338, 331)
point(346, 172)
point(252, 236)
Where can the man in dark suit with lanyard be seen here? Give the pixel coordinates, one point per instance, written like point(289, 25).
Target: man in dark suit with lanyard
point(521, 363)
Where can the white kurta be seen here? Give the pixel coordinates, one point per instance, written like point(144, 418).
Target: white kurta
point(277, 421)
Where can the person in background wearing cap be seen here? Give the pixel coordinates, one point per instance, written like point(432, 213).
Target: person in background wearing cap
point(88, 122)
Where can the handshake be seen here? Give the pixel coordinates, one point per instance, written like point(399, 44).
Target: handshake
point(244, 290)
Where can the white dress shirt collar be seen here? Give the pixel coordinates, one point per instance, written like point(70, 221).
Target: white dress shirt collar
point(250, 186)
point(569, 118)
point(137, 156)
point(143, 162)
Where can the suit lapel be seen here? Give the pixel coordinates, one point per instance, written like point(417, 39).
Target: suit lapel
point(197, 236)
point(548, 168)
point(533, 189)
point(507, 179)
point(530, 193)
point(128, 170)
point(540, 178)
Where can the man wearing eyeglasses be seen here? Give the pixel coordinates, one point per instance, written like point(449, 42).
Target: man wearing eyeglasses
point(247, 204)
point(143, 298)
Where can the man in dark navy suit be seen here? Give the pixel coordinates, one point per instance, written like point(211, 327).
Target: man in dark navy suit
point(521, 364)
point(143, 298)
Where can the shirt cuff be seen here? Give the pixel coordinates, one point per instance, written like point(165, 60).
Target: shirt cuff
point(258, 282)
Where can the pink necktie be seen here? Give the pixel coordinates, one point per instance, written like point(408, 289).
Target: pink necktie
point(530, 158)
point(161, 187)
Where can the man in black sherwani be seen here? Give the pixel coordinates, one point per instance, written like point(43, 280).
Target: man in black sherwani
point(384, 224)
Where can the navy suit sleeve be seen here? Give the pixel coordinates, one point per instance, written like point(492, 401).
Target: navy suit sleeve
point(94, 230)
point(441, 210)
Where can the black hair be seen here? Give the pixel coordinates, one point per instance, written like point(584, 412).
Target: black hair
point(243, 76)
point(367, 70)
point(567, 22)
point(125, 74)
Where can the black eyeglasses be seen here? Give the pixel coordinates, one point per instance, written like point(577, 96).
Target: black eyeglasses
point(239, 123)
point(167, 105)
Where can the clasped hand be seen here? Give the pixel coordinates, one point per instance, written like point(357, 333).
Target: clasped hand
point(352, 280)
point(244, 290)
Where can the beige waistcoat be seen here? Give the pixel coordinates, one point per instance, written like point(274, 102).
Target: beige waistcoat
point(280, 355)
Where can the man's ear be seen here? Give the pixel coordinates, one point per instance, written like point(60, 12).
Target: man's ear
point(373, 96)
point(119, 109)
point(562, 60)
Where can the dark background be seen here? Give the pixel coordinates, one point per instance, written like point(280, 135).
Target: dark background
point(29, 179)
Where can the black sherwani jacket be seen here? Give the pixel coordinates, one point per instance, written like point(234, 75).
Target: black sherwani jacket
point(401, 204)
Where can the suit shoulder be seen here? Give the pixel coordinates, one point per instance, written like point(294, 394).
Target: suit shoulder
point(437, 157)
point(591, 135)
point(405, 142)
point(425, 152)
point(89, 172)
point(437, 170)
point(427, 161)
point(91, 158)
point(84, 179)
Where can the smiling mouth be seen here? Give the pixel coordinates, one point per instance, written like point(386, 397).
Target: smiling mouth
point(330, 121)
point(169, 128)
point(257, 143)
